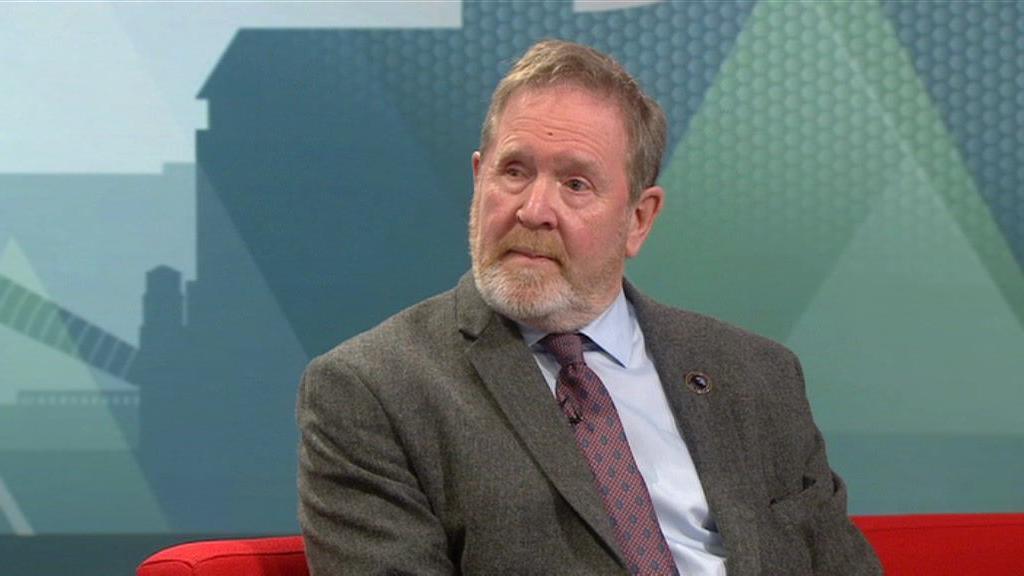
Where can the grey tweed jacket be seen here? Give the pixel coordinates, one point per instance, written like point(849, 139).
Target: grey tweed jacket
point(432, 445)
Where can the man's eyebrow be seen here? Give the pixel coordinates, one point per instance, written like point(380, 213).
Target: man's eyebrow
point(578, 163)
point(509, 153)
point(568, 162)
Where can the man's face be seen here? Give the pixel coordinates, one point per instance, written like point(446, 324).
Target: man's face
point(551, 223)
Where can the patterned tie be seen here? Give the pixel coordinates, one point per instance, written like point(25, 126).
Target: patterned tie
point(599, 434)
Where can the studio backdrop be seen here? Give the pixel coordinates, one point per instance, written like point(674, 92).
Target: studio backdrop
point(196, 200)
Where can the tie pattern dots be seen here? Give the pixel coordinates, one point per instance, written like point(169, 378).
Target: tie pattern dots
point(600, 436)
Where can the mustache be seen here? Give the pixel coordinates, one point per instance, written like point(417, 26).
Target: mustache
point(543, 244)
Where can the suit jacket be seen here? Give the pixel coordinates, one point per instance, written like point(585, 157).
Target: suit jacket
point(432, 445)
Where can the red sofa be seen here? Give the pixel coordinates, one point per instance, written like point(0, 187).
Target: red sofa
point(911, 545)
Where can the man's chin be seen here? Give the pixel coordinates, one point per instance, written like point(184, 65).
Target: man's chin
point(522, 295)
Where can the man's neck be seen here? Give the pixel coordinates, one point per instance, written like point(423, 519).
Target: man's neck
point(572, 320)
point(543, 327)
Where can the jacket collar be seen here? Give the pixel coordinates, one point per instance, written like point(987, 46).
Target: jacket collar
point(508, 371)
point(710, 423)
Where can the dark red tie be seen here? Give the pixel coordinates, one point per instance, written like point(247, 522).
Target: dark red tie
point(599, 434)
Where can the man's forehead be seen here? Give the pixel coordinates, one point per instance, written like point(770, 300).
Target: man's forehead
point(524, 95)
point(522, 115)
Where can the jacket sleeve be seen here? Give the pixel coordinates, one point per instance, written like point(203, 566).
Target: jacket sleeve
point(817, 509)
point(360, 506)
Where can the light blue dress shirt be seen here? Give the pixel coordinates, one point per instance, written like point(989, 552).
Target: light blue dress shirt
point(620, 359)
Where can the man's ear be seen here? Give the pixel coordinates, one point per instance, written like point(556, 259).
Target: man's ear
point(477, 158)
point(642, 215)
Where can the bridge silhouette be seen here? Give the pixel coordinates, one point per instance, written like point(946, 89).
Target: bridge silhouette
point(39, 318)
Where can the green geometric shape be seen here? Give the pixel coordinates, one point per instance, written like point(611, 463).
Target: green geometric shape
point(813, 114)
point(772, 178)
point(51, 421)
point(923, 137)
point(909, 334)
point(52, 400)
point(818, 198)
point(15, 265)
point(67, 434)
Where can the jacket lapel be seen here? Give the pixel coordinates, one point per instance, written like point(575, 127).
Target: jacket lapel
point(509, 372)
point(710, 424)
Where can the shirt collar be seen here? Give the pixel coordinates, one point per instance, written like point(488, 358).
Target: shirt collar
point(611, 332)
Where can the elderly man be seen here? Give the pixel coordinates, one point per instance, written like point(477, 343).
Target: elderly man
point(545, 417)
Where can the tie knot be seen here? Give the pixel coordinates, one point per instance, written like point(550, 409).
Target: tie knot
point(566, 348)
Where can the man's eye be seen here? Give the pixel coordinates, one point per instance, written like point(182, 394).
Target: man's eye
point(577, 184)
point(514, 172)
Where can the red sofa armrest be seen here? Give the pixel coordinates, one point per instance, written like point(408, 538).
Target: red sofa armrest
point(281, 556)
point(947, 544)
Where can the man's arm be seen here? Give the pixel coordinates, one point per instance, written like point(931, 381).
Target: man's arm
point(818, 509)
point(360, 506)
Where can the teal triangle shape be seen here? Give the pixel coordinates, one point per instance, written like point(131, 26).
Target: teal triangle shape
point(15, 265)
point(909, 335)
point(810, 118)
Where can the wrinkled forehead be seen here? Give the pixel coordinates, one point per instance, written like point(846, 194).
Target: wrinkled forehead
point(525, 94)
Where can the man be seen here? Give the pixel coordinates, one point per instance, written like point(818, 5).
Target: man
point(544, 417)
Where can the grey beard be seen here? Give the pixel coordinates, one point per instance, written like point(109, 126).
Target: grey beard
point(526, 300)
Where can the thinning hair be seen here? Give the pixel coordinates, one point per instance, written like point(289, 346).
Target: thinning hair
point(555, 62)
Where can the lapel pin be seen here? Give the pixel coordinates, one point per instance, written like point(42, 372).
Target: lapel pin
point(698, 382)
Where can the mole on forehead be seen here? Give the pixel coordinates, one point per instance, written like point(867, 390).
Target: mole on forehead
point(554, 128)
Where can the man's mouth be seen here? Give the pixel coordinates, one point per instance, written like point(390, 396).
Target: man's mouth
point(531, 255)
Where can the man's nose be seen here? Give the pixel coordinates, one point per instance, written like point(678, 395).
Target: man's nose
point(538, 208)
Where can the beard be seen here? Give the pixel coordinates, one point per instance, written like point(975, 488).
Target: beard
point(525, 293)
point(563, 299)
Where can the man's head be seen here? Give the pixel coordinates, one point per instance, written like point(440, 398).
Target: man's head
point(564, 186)
point(552, 62)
